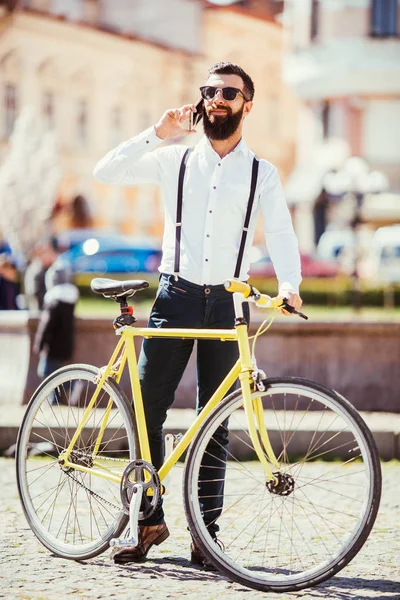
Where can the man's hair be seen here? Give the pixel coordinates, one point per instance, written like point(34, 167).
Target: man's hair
point(228, 68)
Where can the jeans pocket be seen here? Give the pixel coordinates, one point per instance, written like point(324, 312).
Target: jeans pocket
point(174, 288)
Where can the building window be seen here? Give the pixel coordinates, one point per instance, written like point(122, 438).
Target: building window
point(116, 126)
point(48, 110)
point(384, 18)
point(325, 119)
point(314, 19)
point(82, 122)
point(10, 108)
point(70, 9)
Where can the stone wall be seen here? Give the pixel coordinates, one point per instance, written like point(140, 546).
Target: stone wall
point(360, 360)
point(14, 356)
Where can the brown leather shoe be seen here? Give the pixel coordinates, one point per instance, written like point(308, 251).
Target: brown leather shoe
point(149, 535)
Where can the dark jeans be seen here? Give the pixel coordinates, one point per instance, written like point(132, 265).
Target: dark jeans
point(161, 366)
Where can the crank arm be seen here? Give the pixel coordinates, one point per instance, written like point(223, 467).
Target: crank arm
point(134, 509)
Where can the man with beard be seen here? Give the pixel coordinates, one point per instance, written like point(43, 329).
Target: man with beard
point(201, 249)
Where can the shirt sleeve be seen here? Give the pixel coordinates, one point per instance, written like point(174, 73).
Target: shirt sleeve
point(280, 237)
point(131, 162)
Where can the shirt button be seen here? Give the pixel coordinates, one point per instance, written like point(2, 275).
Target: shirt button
point(214, 188)
point(147, 141)
point(206, 259)
point(210, 211)
point(219, 164)
point(208, 235)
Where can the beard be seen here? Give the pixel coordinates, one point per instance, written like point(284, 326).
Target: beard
point(221, 127)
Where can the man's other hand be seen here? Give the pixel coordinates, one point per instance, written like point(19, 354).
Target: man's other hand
point(293, 299)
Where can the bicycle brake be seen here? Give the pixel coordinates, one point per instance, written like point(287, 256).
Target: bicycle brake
point(113, 371)
point(258, 375)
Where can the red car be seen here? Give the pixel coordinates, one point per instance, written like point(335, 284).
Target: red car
point(310, 267)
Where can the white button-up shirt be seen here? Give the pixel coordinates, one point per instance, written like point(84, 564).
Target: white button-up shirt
point(215, 197)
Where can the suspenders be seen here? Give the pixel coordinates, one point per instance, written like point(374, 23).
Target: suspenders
point(254, 175)
point(178, 226)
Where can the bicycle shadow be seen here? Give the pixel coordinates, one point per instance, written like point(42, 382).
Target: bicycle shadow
point(340, 588)
point(182, 569)
point(349, 588)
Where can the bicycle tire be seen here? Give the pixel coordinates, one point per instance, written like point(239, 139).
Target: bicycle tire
point(74, 514)
point(282, 543)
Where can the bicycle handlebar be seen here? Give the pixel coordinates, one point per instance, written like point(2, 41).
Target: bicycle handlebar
point(248, 291)
point(232, 285)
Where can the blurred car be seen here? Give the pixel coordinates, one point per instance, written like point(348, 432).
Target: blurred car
point(310, 267)
point(383, 261)
point(333, 243)
point(68, 238)
point(111, 254)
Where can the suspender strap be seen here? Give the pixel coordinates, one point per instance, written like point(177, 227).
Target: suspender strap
point(253, 185)
point(178, 226)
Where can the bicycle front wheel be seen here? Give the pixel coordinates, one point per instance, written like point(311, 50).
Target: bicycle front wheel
point(309, 526)
point(75, 513)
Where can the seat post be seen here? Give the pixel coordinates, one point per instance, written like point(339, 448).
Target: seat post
point(126, 317)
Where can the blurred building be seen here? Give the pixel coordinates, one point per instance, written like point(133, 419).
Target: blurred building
point(94, 87)
point(344, 64)
point(100, 71)
point(248, 33)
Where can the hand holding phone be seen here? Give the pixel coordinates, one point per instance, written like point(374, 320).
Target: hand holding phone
point(196, 117)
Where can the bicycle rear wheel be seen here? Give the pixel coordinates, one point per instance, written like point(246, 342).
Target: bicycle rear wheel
point(308, 528)
point(73, 513)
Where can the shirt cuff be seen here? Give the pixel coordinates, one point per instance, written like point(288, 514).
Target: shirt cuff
point(287, 287)
point(147, 139)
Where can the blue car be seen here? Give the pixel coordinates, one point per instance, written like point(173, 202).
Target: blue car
point(110, 255)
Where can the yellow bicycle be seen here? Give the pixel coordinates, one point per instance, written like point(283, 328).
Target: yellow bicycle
point(301, 473)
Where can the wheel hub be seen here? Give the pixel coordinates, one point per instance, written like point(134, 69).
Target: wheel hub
point(282, 486)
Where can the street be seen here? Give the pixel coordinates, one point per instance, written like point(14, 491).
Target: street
point(29, 571)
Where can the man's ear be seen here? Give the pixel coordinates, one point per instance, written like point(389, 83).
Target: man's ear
point(247, 108)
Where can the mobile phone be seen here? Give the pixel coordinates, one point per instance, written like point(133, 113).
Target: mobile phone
point(195, 117)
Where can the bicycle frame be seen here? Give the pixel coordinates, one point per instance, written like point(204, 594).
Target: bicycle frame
point(243, 369)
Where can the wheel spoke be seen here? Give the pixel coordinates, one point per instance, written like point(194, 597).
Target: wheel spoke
point(74, 513)
point(282, 537)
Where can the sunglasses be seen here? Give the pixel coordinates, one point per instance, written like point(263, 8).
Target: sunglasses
point(208, 92)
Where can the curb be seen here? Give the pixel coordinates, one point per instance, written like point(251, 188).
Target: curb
point(385, 428)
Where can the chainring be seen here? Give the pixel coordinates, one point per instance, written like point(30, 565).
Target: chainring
point(140, 471)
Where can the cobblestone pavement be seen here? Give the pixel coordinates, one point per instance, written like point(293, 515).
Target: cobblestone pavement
point(29, 571)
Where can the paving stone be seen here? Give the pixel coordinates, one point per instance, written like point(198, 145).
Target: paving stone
point(29, 572)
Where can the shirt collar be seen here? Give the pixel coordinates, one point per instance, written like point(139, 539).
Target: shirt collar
point(205, 146)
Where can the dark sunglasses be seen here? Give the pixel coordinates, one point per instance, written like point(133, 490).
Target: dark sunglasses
point(228, 93)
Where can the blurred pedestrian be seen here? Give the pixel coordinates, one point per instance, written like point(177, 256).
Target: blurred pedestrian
point(43, 257)
point(9, 284)
point(55, 334)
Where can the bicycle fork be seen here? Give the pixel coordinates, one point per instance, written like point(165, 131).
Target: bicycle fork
point(254, 409)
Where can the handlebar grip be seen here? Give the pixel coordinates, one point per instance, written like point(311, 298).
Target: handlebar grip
point(292, 310)
point(232, 285)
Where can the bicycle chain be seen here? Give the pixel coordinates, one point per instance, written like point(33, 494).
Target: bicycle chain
point(91, 492)
point(85, 455)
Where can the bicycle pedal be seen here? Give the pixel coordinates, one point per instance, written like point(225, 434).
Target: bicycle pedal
point(130, 542)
